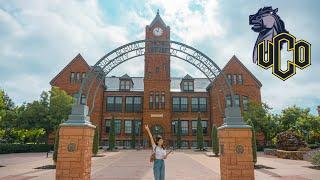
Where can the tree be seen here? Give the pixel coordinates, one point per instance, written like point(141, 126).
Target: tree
point(215, 141)
point(199, 133)
point(258, 114)
point(2, 105)
point(133, 135)
point(95, 146)
point(179, 133)
point(254, 145)
point(112, 134)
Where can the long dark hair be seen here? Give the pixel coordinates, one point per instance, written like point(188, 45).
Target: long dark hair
point(157, 140)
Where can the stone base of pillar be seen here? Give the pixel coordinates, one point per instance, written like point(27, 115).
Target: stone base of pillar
point(236, 160)
point(74, 153)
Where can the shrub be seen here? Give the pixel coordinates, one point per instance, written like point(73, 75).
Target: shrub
point(179, 134)
point(254, 145)
point(290, 141)
point(199, 134)
point(56, 145)
point(95, 146)
point(24, 148)
point(112, 135)
point(315, 159)
point(313, 146)
point(215, 141)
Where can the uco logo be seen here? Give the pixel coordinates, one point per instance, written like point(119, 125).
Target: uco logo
point(272, 35)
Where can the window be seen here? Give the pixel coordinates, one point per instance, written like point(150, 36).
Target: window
point(240, 80)
point(133, 104)
point(234, 79)
point(175, 104)
point(228, 101)
point(237, 100)
point(117, 126)
point(184, 104)
point(157, 101)
point(194, 125)
point(194, 104)
point(202, 104)
point(157, 69)
point(151, 101)
point(199, 104)
point(129, 104)
point(125, 85)
point(162, 100)
point(184, 128)
point(137, 127)
point(72, 76)
point(127, 126)
point(245, 101)
point(114, 103)
point(83, 99)
point(187, 86)
point(83, 76)
point(179, 104)
point(137, 104)
point(229, 77)
point(78, 77)
point(205, 127)
point(174, 125)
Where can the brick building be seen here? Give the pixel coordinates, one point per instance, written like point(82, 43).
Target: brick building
point(158, 99)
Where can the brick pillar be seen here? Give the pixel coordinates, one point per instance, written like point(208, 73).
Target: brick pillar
point(75, 151)
point(236, 160)
point(75, 146)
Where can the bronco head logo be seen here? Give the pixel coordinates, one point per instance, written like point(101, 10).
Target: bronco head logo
point(268, 24)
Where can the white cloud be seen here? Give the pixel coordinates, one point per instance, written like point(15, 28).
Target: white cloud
point(40, 37)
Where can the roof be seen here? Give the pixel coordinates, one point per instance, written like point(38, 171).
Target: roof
point(234, 58)
point(125, 76)
point(112, 84)
point(158, 19)
point(78, 57)
point(187, 77)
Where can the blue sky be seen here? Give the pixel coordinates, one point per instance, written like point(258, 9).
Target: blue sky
point(38, 38)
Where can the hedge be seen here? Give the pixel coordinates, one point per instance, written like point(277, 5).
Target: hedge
point(23, 148)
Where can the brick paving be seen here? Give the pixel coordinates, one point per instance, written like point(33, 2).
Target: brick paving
point(132, 164)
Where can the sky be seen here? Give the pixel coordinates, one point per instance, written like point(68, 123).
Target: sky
point(39, 38)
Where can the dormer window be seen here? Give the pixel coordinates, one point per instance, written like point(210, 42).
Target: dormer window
point(126, 83)
point(187, 84)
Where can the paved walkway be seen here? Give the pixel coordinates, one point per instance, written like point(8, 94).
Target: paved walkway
point(132, 164)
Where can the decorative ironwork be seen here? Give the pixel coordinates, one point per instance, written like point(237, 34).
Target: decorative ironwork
point(72, 147)
point(239, 149)
point(150, 47)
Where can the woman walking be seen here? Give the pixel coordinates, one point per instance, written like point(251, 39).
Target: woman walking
point(159, 153)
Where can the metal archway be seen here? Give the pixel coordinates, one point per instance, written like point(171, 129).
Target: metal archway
point(150, 47)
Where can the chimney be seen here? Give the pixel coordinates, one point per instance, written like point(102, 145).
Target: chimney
point(318, 110)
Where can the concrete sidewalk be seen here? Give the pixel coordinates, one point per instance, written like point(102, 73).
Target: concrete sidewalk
point(132, 164)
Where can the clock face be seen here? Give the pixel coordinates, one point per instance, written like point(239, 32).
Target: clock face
point(157, 31)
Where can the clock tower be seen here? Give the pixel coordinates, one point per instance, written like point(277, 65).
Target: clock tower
point(157, 106)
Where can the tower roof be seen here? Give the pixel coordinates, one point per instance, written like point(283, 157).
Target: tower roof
point(158, 19)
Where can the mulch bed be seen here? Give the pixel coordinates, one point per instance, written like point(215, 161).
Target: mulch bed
point(260, 166)
point(313, 167)
point(47, 167)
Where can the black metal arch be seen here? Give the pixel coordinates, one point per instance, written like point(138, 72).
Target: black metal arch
point(150, 47)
